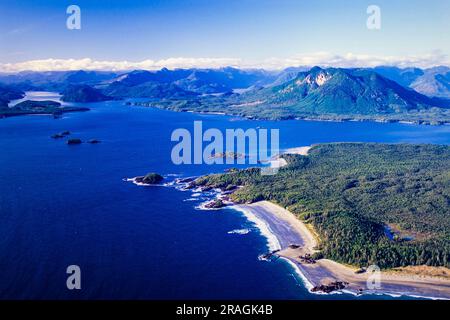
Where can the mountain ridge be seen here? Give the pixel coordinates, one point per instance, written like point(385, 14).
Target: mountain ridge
point(343, 91)
point(298, 92)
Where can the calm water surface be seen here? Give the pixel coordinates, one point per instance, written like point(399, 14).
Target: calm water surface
point(62, 205)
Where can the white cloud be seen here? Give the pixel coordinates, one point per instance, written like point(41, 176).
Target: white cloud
point(89, 64)
point(350, 60)
point(324, 59)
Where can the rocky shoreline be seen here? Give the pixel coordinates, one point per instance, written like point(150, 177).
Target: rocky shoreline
point(222, 199)
point(319, 276)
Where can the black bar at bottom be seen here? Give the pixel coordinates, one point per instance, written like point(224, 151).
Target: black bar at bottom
point(230, 309)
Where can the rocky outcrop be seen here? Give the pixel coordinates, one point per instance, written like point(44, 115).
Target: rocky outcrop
point(215, 204)
point(60, 135)
point(307, 259)
point(150, 178)
point(333, 286)
point(74, 141)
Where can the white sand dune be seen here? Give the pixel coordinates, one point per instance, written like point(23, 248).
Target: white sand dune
point(298, 150)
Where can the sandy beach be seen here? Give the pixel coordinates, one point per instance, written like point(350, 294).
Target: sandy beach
point(289, 230)
point(299, 150)
point(279, 162)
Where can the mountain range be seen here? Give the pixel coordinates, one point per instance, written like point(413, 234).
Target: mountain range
point(341, 91)
point(433, 82)
point(293, 92)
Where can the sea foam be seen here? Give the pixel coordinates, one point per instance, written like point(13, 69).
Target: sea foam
point(239, 231)
point(272, 241)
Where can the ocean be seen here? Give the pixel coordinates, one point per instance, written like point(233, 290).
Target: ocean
point(66, 205)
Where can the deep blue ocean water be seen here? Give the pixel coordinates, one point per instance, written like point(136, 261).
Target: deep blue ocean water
point(62, 205)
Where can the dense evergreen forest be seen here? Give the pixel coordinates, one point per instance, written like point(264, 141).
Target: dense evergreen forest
point(369, 203)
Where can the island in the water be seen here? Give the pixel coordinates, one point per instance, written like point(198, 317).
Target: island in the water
point(149, 178)
point(359, 204)
point(38, 107)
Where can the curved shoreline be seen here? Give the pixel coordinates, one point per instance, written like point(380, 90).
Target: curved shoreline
point(289, 230)
point(282, 228)
point(317, 118)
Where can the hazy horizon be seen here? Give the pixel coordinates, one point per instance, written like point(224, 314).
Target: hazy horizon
point(266, 34)
point(124, 71)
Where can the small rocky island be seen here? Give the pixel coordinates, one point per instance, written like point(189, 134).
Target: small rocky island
point(60, 135)
point(228, 155)
point(74, 141)
point(215, 204)
point(328, 288)
point(150, 178)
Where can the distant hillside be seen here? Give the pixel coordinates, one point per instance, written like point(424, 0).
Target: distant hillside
point(54, 80)
point(152, 90)
point(138, 77)
point(8, 93)
point(161, 84)
point(334, 94)
point(433, 82)
point(342, 91)
point(200, 81)
point(224, 80)
point(82, 93)
point(88, 77)
point(287, 75)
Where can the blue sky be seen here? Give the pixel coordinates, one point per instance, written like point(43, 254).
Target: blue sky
point(244, 32)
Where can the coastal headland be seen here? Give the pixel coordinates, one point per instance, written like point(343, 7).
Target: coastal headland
point(352, 217)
